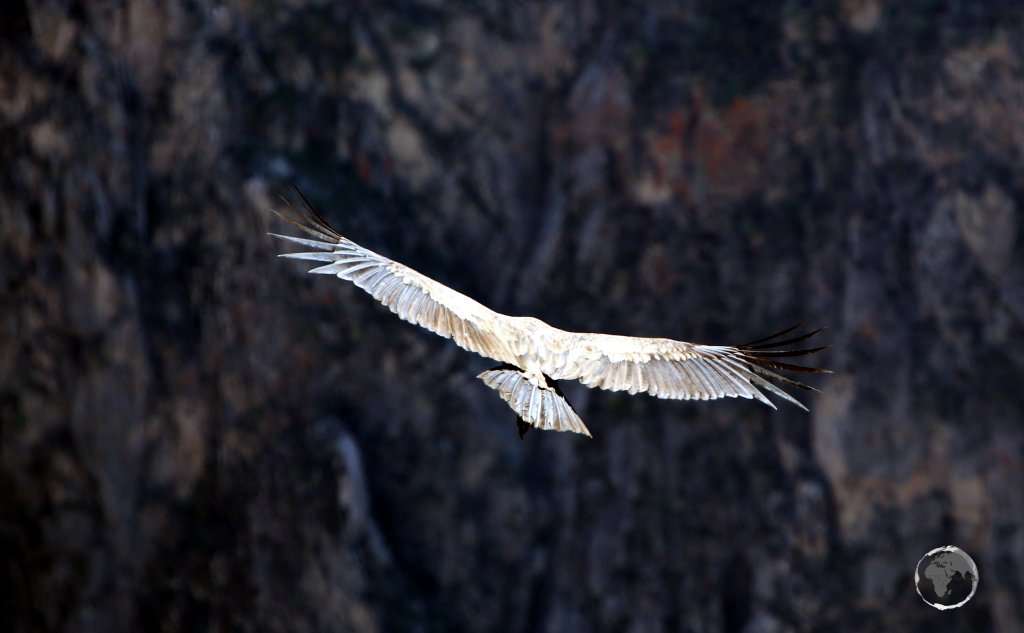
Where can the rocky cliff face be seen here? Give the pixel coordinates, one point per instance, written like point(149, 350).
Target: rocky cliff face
point(197, 436)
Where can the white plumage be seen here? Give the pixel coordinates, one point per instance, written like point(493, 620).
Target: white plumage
point(534, 354)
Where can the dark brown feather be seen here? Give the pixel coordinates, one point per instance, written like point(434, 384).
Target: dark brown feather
point(768, 338)
point(773, 344)
point(307, 217)
point(762, 356)
point(784, 352)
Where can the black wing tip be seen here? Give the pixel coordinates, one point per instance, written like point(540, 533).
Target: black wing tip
point(772, 342)
point(770, 337)
point(762, 356)
point(305, 216)
point(780, 353)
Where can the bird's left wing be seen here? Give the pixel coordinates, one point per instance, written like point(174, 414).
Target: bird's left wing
point(412, 296)
point(683, 371)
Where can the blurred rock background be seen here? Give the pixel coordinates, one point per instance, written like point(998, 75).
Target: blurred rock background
point(195, 435)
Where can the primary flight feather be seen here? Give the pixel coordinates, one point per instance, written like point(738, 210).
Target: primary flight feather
point(533, 354)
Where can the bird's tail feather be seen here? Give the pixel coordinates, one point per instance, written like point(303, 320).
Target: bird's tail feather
point(539, 405)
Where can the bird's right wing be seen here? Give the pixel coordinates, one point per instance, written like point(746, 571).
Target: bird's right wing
point(414, 297)
point(688, 371)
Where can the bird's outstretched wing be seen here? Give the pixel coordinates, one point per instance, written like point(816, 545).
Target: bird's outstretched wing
point(412, 296)
point(687, 371)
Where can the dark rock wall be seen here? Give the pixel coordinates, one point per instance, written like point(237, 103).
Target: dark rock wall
point(195, 435)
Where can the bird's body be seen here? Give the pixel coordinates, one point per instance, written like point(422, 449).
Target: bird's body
point(540, 349)
point(534, 354)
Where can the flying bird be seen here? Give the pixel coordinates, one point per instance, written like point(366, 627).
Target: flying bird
point(534, 355)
